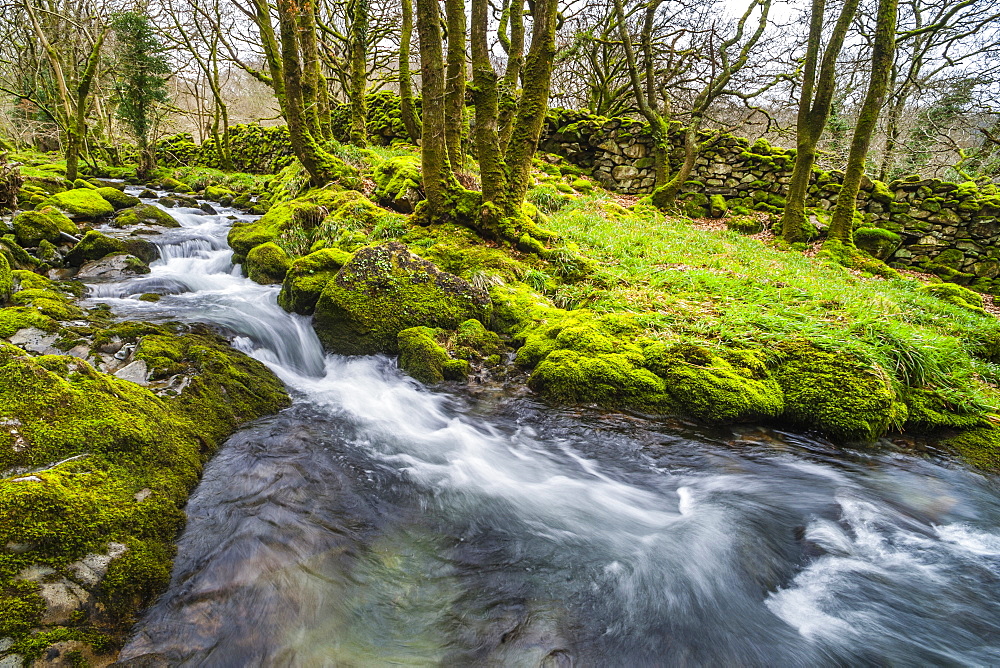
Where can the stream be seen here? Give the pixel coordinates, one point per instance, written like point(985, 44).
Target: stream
point(377, 522)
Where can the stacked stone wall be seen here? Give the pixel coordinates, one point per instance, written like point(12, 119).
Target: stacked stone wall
point(949, 229)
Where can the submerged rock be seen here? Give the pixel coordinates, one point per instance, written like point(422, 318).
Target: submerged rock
point(386, 289)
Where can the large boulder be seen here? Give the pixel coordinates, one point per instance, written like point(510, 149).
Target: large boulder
point(386, 289)
point(306, 278)
point(84, 203)
point(93, 246)
point(33, 227)
point(117, 198)
point(267, 263)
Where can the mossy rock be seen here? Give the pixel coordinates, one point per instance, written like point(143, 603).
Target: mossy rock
point(144, 214)
point(17, 256)
point(877, 242)
point(929, 411)
point(472, 341)
point(219, 194)
point(33, 227)
point(111, 462)
point(398, 183)
point(745, 224)
point(711, 387)
point(606, 379)
point(297, 224)
point(173, 185)
point(420, 354)
point(834, 393)
point(979, 447)
point(85, 203)
point(93, 246)
point(6, 279)
point(385, 289)
point(267, 263)
point(117, 198)
point(307, 276)
point(955, 294)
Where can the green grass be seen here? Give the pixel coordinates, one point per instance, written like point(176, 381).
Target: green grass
point(726, 289)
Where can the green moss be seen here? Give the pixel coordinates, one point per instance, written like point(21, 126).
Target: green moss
point(420, 354)
point(267, 263)
point(396, 180)
point(306, 277)
point(881, 193)
point(877, 242)
point(834, 393)
point(717, 206)
point(173, 185)
point(583, 186)
point(979, 447)
point(929, 410)
point(17, 257)
point(386, 289)
point(474, 341)
point(93, 246)
point(745, 224)
point(711, 387)
point(21, 608)
point(144, 214)
point(955, 294)
point(33, 227)
point(218, 194)
point(607, 379)
point(117, 198)
point(81, 203)
point(296, 225)
point(6, 279)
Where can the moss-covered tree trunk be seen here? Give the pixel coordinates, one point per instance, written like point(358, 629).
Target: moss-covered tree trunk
point(505, 170)
point(438, 178)
point(306, 24)
point(883, 54)
point(512, 17)
point(322, 167)
point(407, 108)
point(359, 72)
point(72, 99)
point(815, 100)
point(455, 82)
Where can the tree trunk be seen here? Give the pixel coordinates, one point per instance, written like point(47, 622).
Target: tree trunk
point(814, 110)
point(455, 82)
point(407, 109)
point(883, 53)
point(359, 73)
point(438, 179)
point(323, 168)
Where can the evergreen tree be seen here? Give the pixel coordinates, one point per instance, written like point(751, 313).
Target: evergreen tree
point(140, 82)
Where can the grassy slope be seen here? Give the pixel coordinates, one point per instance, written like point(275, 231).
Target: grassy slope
point(726, 289)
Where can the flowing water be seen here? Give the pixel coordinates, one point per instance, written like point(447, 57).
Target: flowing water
point(376, 522)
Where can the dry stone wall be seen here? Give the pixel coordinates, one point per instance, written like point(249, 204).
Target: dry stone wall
point(949, 229)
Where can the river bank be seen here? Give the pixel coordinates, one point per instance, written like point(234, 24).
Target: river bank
point(622, 308)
